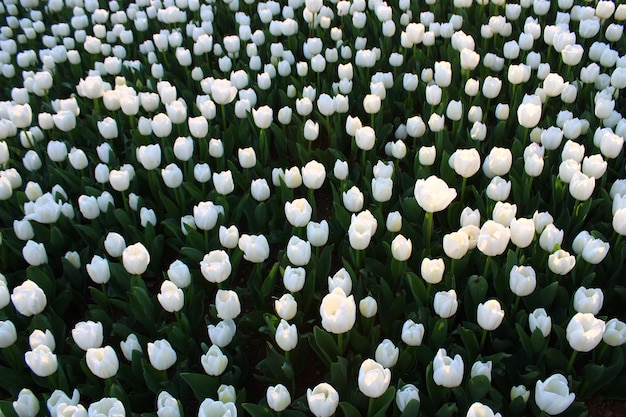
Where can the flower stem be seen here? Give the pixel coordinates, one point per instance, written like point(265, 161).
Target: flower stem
point(370, 407)
point(483, 339)
point(428, 220)
point(570, 364)
point(340, 343)
point(486, 270)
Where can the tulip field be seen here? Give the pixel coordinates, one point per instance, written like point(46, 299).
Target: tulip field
point(312, 207)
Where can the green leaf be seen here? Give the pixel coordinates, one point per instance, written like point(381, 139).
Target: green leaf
point(524, 340)
point(418, 289)
point(439, 332)
point(411, 409)
point(339, 374)
point(478, 387)
point(469, 341)
point(381, 404)
point(447, 410)
point(349, 410)
point(203, 386)
point(324, 344)
point(256, 410)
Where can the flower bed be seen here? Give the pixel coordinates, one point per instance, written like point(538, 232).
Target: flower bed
point(351, 208)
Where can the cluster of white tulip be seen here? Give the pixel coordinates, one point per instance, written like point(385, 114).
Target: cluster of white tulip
point(110, 98)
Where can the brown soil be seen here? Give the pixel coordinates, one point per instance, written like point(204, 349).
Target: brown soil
point(599, 407)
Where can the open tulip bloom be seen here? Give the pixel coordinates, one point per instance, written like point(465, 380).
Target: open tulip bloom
point(195, 195)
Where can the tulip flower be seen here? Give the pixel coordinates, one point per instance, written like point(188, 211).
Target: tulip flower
point(552, 395)
point(373, 378)
point(584, 332)
point(447, 372)
point(135, 259)
point(102, 362)
point(323, 400)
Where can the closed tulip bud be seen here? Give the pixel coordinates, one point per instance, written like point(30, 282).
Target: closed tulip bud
point(286, 307)
point(211, 408)
point(522, 280)
point(227, 304)
point(550, 238)
point(433, 194)
point(432, 270)
point(405, 395)
point(456, 244)
point(255, 248)
point(387, 353)
point(39, 338)
point(214, 362)
point(552, 395)
point(222, 334)
point(298, 251)
point(489, 314)
point(223, 182)
point(216, 148)
point(119, 180)
point(445, 303)
point(373, 378)
point(114, 244)
point(561, 262)
point(368, 307)
point(171, 297)
point(313, 175)
point(323, 400)
point(614, 333)
point(226, 394)
point(8, 333)
point(522, 232)
point(215, 266)
point(520, 391)
point(278, 398)
point(298, 212)
point(401, 248)
point(317, 233)
point(229, 237)
point(493, 238)
point(27, 404)
point(161, 354)
point(183, 148)
point(147, 216)
point(338, 312)
point(179, 274)
point(465, 162)
point(394, 221)
point(23, 229)
point(447, 372)
point(98, 270)
point(481, 368)
point(539, 319)
point(102, 362)
point(588, 300)
point(149, 156)
point(259, 189)
point(167, 406)
point(412, 333)
point(286, 336)
point(584, 332)
point(28, 298)
point(135, 259)
point(365, 138)
point(595, 251)
point(478, 409)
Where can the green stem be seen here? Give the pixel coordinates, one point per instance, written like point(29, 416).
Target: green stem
point(340, 343)
point(223, 118)
point(486, 270)
point(570, 364)
point(515, 306)
point(359, 261)
point(370, 407)
point(428, 220)
point(483, 339)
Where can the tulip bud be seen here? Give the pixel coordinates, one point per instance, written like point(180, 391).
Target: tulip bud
point(368, 307)
point(447, 372)
point(161, 354)
point(214, 362)
point(102, 362)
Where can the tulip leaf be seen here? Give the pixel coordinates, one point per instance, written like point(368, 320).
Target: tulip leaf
point(194, 254)
point(339, 374)
point(256, 410)
point(349, 410)
point(537, 340)
point(6, 407)
point(418, 289)
point(381, 404)
point(478, 387)
point(324, 345)
point(203, 386)
point(439, 332)
point(597, 376)
point(469, 341)
point(524, 340)
point(269, 284)
point(548, 294)
point(411, 409)
point(447, 410)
